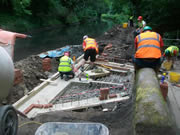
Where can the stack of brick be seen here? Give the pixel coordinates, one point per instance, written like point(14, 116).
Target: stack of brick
point(18, 76)
point(104, 92)
point(46, 64)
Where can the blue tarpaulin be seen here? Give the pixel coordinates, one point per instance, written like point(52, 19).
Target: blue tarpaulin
point(55, 53)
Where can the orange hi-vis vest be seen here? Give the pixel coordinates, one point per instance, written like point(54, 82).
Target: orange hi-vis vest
point(148, 45)
point(91, 43)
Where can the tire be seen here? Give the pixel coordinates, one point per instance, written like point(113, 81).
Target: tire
point(8, 120)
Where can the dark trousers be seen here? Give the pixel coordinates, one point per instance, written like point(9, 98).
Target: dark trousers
point(131, 23)
point(68, 74)
point(150, 63)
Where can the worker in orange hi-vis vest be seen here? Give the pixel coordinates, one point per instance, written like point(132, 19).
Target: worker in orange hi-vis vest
point(90, 48)
point(148, 47)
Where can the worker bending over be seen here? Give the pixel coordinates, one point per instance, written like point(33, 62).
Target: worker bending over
point(148, 46)
point(90, 48)
point(66, 66)
point(171, 53)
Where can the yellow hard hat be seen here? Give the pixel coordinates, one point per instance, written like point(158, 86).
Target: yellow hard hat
point(164, 74)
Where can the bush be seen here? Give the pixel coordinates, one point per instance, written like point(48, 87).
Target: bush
point(116, 18)
point(72, 19)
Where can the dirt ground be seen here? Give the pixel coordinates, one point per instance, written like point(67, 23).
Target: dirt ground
point(118, 121)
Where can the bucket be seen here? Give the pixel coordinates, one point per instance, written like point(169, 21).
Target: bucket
point(174, 77)
point(125, 25)
point(65, 128)
point(167, 64)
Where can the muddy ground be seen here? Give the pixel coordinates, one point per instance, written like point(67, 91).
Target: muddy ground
point(118, 121)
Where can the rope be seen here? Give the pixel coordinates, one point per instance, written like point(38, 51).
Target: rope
point(29, 122)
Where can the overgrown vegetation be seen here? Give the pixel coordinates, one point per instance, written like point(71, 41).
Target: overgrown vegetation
point(28, 14)
point(163, 15)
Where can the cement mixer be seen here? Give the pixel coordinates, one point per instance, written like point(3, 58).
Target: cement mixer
point(8, 115)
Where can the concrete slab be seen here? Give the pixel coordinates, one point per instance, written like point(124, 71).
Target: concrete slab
point(76, 105)
point(42, 94)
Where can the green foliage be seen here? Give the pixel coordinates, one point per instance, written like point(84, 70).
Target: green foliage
point(72, 19)
point(116, 18)
point(161, 13)
point(21, 7)
point(90, 10)
point(119, 11)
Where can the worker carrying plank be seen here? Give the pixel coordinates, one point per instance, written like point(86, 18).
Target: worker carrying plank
point(66, 67)
point(171, 53)
point(148, 46)
point(90, 48)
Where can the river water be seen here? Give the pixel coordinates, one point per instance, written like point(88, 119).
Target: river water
point(56, 37)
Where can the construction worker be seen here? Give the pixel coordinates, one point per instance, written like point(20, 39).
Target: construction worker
point(141, 25)
point(90, 48)
point(131, 23)
point(148, 46)
point(171, 53)
point(66, 66)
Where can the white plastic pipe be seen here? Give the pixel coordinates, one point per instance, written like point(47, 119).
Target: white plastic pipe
point(6, 73)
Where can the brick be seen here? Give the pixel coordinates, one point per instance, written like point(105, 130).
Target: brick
point(104, 93)
point(102, 98)
point(46, 64)
point(164, 89)
point(112, 96)
point(18, 76)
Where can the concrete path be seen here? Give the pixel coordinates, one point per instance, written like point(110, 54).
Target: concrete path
point(173, 99)
point(42, 94)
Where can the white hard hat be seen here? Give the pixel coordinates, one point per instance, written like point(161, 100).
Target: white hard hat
point(84, 37)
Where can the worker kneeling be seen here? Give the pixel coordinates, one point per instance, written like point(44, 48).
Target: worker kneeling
point(170, 54)
point(148, 46)
point(66, 67)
